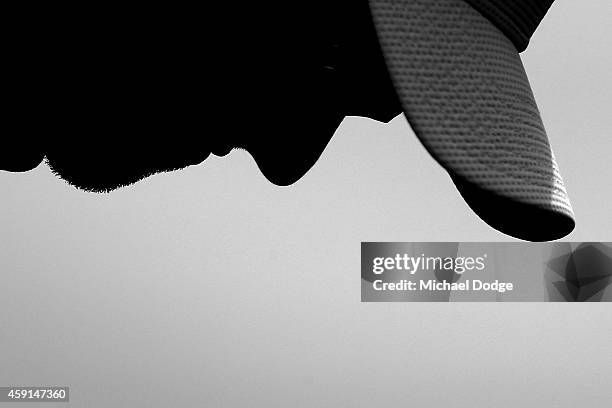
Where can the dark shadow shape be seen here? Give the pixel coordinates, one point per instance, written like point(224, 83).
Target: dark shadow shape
point(127, 91)
point(519, 220)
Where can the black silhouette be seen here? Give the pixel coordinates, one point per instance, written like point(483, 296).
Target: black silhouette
point(109, 93)
point(115, 93)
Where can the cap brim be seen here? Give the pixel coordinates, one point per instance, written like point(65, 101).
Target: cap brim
point(465, 92)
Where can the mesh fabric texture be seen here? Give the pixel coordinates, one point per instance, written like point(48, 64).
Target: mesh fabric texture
point(517, 19)
point(466, 95)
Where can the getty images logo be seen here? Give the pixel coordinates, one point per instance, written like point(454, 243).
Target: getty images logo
point(414, 264)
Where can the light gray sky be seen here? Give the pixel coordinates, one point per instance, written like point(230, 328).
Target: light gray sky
point(212, 287)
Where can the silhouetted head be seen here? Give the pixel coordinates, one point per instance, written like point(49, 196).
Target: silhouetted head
point(123, 92)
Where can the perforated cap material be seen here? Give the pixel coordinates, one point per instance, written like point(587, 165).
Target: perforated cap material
point(465, 92)
point(517, 19)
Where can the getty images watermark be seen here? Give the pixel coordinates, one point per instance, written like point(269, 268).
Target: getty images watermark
point(486, 271)
point(423, 263)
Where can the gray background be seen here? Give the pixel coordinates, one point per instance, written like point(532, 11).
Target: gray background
point(212, 287)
